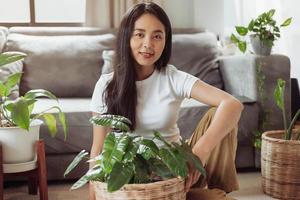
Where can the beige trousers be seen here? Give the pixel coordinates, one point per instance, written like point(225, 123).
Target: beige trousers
point(220, 167)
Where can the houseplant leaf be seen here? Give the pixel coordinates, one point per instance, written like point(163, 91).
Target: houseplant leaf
point(20, 113)
point(12, 80)
point(148, 149)
point(175, 162)
point(32, 94)
point(141, 170)
point(119, 176)
point(160, 168)
point(113, 150)
point(113, 121)
point(75, 161)
point(51, 123)
point(186, 151)
point(286, 22)
point(10, 57)
point(241, 30)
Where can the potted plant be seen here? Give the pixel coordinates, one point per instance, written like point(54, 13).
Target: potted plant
point(263, 32)
point(280, 156)
point(19, 127)
point(134, 167)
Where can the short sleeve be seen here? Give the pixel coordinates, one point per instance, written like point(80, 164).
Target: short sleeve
point(182, 82)
point(97, 104)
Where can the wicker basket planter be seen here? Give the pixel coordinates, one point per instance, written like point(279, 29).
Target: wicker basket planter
point(172, 189)
point(280, 166)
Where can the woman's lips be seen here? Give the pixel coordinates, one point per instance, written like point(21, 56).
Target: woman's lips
point(147, 55)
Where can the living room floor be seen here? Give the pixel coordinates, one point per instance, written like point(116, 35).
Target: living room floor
point(250, 188)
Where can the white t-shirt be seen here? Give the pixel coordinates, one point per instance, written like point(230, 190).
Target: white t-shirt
point(158, 101)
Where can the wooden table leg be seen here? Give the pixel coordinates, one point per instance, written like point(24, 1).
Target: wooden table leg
point(42, 171)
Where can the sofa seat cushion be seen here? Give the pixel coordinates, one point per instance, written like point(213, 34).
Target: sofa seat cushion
point(68, 66)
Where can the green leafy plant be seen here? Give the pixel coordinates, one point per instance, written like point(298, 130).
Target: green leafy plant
point(133, 159)
point(264, 27)
point(18, 112)
point(279, 98)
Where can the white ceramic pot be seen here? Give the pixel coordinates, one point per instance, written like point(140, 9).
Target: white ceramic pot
point(18, 145)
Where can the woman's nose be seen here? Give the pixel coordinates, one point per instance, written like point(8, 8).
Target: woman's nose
point(147, 42)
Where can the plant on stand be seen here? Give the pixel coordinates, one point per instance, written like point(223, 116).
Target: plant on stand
point(19, 127)
point(132, 165)
point(281, 155)
point(263, 31)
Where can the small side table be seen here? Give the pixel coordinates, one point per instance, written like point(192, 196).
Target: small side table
point(36, 177)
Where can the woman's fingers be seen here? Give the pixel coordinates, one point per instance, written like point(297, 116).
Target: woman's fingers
point(188, 182)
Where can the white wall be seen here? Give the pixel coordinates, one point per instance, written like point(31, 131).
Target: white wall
point(180, 12)
point(209, 15)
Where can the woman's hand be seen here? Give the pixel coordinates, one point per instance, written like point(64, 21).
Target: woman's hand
point(192, 178)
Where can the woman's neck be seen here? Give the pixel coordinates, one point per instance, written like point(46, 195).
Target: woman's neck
point(144, 72)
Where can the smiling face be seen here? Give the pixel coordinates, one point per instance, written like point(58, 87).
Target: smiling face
point(148, 40)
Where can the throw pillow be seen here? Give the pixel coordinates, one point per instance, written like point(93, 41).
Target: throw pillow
point(9, 69)
point(197, 54)
point(68, 65)
point(107, 56)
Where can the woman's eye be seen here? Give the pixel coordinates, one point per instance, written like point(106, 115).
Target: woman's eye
point(157, 37)
point(139, 35)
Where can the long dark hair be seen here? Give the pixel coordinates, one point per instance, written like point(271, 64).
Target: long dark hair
point(121, 93)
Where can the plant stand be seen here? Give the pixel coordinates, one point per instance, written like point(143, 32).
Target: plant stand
point(36, 177)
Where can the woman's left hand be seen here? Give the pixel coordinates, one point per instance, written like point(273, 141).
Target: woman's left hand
point(192, 178)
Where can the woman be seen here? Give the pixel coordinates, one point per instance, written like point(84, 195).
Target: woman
point(148, 91)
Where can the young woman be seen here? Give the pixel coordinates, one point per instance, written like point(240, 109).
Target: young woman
point(148, 91)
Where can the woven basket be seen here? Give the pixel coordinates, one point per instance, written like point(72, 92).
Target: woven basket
point(171, 189)
point(280, 166)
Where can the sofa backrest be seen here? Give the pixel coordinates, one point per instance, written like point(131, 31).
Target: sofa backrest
point(68, 60)
point(64, 60)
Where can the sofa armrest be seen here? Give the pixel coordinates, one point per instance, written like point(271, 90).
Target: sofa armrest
point(256, 77)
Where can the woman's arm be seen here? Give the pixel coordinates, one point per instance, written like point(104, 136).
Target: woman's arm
point(99, 134)
point(226, 117)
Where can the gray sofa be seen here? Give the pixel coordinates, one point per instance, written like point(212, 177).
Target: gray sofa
point(68, 61)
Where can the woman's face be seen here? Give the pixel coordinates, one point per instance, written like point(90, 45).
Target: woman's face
point(148, 40)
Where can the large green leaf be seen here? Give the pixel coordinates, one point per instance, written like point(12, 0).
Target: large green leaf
point(20, 113)
point(251, 25)
point(51, 123)
point(160, 168)
point(62, 119)
point(113, 121)
point(175, 162)
point(187, 153)
point(160, 137)
point(93, 174)
point(75, 161)
point(32, 94)
point(148, 149)
point(141, 170)
point(114, 150)
point(131, 152)
point(120, 175)
point(10, 57)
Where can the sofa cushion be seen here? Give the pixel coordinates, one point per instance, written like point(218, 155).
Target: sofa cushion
point(68, 66)
point(197, 54)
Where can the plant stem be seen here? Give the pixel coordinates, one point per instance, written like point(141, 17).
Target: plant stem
point(298, 134)
point(289, 131)
point(284, 121)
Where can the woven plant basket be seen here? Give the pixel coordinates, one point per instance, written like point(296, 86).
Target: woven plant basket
point(171, 189)
point(280, 166)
